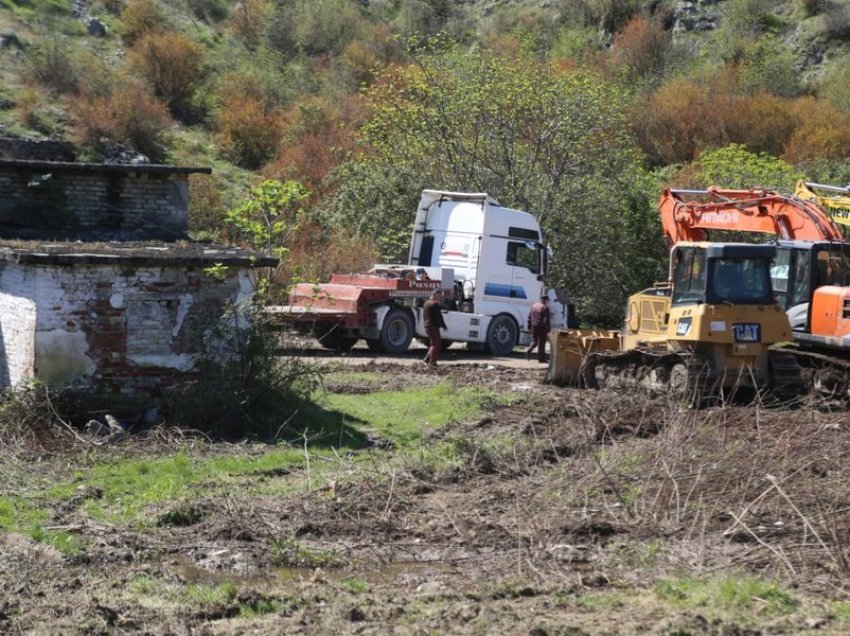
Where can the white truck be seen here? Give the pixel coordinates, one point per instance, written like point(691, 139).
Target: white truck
point(489, 260)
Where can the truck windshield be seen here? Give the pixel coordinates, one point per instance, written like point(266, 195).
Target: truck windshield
point(743, 281)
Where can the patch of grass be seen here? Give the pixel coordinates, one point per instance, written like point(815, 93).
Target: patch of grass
point(260, 607)
point(741, 596)
point(182, 515)
point(294, 554)
point(601, 601)
point(207, 595)
point(355, 585)
point(840, 610)
point(144, 585)
point(403, 415)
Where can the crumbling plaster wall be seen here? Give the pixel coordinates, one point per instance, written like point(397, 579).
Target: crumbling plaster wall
point(92, 206)
point(17, 331)
point(120, 330)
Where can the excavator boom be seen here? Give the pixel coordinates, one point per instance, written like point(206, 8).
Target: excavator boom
point(686, 215)
point(836, 199)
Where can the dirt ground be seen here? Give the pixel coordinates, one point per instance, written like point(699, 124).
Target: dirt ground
point(558, 511)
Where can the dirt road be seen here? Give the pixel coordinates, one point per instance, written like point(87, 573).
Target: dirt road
point(540, 511)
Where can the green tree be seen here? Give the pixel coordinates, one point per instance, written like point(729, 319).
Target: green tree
point(554, 143)
point(736, 167)
point(267, 217)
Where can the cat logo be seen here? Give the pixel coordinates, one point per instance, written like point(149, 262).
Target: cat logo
point(747, 332)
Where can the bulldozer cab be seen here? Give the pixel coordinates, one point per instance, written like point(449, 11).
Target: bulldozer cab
point(722, 273)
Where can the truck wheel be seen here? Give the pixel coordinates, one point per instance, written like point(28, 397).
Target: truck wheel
point(501, 335)
point(397, 332)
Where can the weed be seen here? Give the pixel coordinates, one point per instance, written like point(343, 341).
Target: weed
point(292, 553)
point(355, 585)
point(603, 601)
point(183, 515)
point(206, 595)
point(260, 607)
point(144, 585)
point(740, 595)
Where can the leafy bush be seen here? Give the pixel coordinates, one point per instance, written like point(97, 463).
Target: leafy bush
point(140, 18)
point(129, 115)
point(837, 21)
point(51, 66)
point(209, 10)
point(248, 131)
point(326, 26)
point(243, 386)
point(249, 21)
point(172, 64)
point(767, 64)
point(735, 167)
point(823, 132)
point(641, 49)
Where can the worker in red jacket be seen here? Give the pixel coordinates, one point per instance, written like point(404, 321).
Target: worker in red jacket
point(433, 315)
point(539, 322)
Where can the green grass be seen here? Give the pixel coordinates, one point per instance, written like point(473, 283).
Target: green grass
point(132, 487)
point(403, 415)
point(742, 597)
point(207, 595)
point(355, 585)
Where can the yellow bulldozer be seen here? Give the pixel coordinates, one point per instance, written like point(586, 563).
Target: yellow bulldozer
point(707, 331)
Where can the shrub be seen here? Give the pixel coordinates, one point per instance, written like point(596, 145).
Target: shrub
point(129, 115)
point(209, 10)
point(768, 64)
point(835, 85)
point(142, 17)
point(248, 131)
point(735, 167)
point(173, 65)
point(837, 22)
point(326, 26)
point(823, 132)
point(249, 20)
point(676, 121)
point(812, 7)
point(51, 66)
point(243, 386)
point(640, 50)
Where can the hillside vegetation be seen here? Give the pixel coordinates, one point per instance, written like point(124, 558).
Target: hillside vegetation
point(578, 110)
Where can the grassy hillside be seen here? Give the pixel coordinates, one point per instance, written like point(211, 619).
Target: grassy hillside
point(315, 91)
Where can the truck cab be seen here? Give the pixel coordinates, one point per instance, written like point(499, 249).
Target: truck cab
point(498, 258)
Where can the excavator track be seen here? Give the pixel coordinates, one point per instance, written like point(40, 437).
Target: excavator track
point(685, 374)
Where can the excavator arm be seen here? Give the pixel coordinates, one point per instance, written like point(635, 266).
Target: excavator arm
point(686, 215)
point(836, 199)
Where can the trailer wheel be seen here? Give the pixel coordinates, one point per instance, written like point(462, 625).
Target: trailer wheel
point(502, 335)
point(397, 332)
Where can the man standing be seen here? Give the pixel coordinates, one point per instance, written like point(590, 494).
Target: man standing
point(539, 322)
point(433, 323)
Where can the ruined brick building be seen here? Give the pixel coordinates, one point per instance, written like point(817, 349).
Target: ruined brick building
point(100, 288)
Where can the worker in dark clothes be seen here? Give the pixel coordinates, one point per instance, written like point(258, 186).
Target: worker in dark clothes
point(433, 323)
point(539, 322)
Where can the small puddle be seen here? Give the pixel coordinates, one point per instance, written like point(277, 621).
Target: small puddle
point(398, 573)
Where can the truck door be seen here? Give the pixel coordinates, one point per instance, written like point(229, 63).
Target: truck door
point(524, 259)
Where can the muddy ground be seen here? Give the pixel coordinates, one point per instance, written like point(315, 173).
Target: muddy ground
point(557, 511)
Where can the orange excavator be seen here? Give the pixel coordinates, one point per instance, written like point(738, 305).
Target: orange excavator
point(810, 274)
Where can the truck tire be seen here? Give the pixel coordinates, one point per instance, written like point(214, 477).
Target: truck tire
point(502, 335)
point(396, 332)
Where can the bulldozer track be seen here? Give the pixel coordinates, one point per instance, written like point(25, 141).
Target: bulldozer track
point(822, 374)
point(686, 374)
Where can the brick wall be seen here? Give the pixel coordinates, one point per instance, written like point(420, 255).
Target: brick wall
point(124, 335)
point(57, 204)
